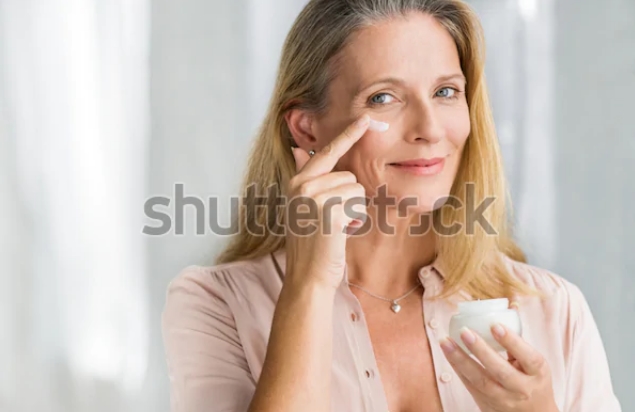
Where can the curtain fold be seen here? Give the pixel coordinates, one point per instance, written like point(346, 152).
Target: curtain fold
point(74, 133)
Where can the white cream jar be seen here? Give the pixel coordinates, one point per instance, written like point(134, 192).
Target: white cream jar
point(479, 316)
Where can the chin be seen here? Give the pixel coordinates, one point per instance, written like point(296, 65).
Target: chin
point(415, 202)
point(428, 197)
point(426, 203)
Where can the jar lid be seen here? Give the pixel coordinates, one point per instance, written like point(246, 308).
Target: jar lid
point(476, 307)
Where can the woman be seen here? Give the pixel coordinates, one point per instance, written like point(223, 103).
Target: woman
point(383, 99)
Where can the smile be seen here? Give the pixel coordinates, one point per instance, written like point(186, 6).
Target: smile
point(420, 167)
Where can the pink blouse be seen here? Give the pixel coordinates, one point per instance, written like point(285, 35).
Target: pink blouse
point(217, 320)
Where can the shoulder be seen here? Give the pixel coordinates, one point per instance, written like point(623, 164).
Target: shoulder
point(560, 304)
point(544, 281)
point(229, 281)
point(222, 276)
point(559, 299)
point(224, 287)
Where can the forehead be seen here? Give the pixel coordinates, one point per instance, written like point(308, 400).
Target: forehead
point(416, 48)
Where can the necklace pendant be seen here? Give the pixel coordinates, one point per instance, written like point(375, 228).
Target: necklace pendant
point(395, 307)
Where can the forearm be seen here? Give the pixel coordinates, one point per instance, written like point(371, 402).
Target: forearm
point(297, 369)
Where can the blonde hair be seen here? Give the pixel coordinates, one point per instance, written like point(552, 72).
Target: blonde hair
point(470, 262)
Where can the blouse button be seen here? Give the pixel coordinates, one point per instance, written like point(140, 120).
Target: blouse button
point(354, 317)
point(434, 323)
point(446, 377)
point(370, 373)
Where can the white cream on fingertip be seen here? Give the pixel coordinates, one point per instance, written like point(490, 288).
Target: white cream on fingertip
point(378, 126)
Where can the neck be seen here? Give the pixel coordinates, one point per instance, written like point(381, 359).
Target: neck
point(388, 264)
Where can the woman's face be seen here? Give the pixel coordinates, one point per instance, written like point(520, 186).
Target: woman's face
point(405, 72)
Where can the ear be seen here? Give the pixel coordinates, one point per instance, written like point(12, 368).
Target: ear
point(300, 124)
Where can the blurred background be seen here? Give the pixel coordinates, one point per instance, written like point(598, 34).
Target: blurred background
point(104, 104)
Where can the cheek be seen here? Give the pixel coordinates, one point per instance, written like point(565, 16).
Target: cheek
point(458, 128)
point(365, 157)
point(458, 133)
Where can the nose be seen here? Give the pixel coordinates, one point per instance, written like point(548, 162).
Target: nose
point(425, 125)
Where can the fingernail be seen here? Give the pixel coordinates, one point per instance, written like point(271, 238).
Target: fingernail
point(447, 345)
point(362, 121)
point(467, 336)
point(498, 330)
point(378, 126)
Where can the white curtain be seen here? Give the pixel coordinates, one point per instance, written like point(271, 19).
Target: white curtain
point(520, 72)
point(74, 117)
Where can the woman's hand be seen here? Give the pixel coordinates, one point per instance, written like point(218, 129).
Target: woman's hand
point(317, 251)
point(522, 383)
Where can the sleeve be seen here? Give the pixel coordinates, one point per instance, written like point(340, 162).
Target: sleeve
point(206, 362)
point(589, 387)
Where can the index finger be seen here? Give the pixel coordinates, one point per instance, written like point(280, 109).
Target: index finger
point(325, 160)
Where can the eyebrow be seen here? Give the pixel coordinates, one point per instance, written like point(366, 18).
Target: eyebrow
point(400, 82)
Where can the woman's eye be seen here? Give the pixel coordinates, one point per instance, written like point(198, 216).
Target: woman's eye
point(381, 98)
point(447, 92)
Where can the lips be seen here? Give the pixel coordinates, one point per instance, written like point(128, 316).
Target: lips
point(419, 162)
point(420, 167)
